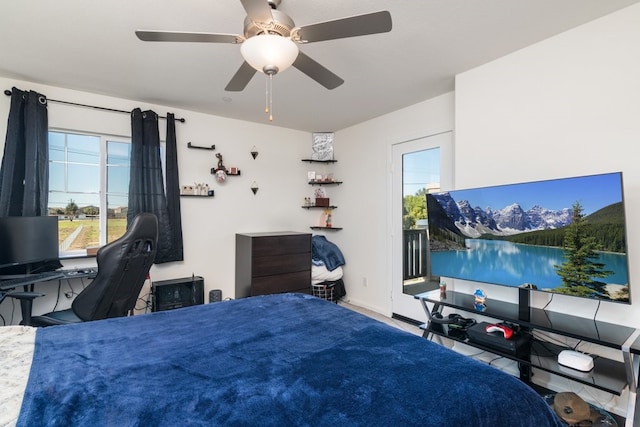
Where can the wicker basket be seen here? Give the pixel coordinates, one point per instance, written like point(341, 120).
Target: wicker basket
point(324, 290)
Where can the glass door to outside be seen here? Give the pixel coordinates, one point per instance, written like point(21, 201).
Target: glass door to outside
point(419, 166)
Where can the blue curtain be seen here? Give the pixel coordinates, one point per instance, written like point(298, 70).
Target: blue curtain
point(146, 183)
point(24, 174)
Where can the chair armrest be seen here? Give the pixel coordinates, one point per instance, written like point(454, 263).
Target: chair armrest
point(25, 295)
point(26, 303)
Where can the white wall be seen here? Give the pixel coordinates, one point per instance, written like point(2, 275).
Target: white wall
point(567, 106)
point(209, 225)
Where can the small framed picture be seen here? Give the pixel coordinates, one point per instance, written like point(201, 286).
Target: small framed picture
point(322, 146)
point(311, 175)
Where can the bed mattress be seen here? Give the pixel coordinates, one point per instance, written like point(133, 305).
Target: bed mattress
point(274, 360)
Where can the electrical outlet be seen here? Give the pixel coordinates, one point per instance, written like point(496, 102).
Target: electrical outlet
point(365, 282)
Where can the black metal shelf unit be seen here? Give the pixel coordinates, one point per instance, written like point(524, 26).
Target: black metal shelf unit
point(609, 375)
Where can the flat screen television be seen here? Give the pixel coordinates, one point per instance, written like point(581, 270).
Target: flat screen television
point(563, 236)
point(28, 244)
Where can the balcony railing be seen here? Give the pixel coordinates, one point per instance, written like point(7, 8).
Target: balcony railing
point(415, 251)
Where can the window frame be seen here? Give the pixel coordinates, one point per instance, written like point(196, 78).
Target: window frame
point(102, 191)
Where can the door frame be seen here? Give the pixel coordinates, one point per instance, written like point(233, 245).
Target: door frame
point(404, 305)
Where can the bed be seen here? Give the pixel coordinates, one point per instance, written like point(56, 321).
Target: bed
point(274, 360)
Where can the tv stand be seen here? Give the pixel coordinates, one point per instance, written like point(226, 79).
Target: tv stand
point(608, 375)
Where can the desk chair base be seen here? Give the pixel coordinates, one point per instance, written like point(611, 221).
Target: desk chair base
point(62, 317)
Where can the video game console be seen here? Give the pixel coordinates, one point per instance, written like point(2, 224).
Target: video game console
point(518, 344)
point(506, 331)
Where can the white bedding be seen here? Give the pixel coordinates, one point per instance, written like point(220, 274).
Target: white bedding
point(320, 273)
point(16, 354)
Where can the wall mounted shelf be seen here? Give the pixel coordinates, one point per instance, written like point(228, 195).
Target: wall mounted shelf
point(319, 161)
point(325, 182)
point(326, 217)
point(190, 145)
point(196, 195)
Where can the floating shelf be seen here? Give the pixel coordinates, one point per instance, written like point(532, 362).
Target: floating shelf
point(196, 195)
point(319, 161)
point(325, 182)
point(317, 227)
point(319, 207)
point(190, 145)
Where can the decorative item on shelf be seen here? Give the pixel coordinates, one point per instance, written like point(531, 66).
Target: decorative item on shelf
point(254, 187)
point(254, 152)
point(221, 170)
point(311, 176)
point(321, 197)
point(480, 297)
point(187, 190)
point(190, 145)
point(443, 290)
point(322, 145)
point(221, 175)
point(328, 218)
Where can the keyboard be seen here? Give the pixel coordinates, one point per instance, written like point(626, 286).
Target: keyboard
point(72, 273)
point(28, 279)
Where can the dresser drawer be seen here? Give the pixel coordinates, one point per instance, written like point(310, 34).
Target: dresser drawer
point(281, 245)
point(290, 282)
point(278, 264)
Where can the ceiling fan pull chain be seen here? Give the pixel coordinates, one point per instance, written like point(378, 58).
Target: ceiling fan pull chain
point(270, 97)
point(266, 94)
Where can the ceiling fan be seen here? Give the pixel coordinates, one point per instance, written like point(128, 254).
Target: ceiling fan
point(270, 41)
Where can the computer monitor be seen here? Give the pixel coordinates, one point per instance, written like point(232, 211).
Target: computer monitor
point(28, 244)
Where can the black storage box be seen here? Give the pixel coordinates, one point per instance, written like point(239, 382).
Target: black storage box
point(517, 345)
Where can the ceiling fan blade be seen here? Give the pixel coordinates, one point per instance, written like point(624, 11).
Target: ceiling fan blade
point(257, 10)
point(360, 25)
point(241, 78)
point(317, 72)
point(177, 36)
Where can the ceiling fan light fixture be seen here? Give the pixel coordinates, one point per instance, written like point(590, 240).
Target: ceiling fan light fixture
point(269, 53)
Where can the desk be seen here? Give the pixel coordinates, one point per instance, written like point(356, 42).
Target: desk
point(27, 281)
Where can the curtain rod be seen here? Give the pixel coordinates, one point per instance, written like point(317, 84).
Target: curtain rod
point(181, 120)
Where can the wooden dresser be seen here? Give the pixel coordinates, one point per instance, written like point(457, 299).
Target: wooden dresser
point(270, 263)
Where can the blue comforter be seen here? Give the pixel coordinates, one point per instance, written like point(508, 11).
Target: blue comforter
point(277, 360)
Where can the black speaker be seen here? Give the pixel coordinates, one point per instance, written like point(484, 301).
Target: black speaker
point(215, 295)
point(176, 293)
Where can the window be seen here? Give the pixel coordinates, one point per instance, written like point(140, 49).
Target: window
point(88, 189)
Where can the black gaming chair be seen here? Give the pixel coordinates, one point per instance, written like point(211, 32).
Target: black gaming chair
point(123, 266)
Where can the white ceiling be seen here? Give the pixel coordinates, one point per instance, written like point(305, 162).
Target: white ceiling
point(89, 45)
